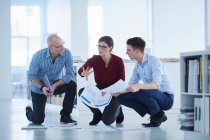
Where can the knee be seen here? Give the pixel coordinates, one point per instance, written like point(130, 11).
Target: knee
point(72, 85)
point(107, 121)
point(38, 120)
point(121, 99)
point(71, 88)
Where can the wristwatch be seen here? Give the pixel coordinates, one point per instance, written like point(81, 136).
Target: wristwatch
point(41, 88)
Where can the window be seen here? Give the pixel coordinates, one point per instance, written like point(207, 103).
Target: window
point(25, 28)
point(25, 41)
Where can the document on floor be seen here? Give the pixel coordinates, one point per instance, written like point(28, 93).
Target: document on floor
point(64, 126)
point(102, 127)
point(93, 97)
point(33, 126)
point(99, 128)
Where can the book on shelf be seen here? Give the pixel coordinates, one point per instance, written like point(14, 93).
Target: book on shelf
point(193, 75)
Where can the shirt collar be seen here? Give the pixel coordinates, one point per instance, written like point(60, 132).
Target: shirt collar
point(145, 58)
point(48, 53)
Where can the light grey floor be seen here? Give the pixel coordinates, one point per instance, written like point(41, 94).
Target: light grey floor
point(12, 115)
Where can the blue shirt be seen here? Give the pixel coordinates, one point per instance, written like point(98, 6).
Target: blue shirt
point(41, 64)
point(151, 70)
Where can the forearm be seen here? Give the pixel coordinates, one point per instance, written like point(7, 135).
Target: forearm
point(59, 83)
point(37, 83)
point(148, 86)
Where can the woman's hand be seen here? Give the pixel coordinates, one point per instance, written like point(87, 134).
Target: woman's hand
point(86, 72)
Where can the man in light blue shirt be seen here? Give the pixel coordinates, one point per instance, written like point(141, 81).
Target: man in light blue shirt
point(154, 94)
point(50, 62)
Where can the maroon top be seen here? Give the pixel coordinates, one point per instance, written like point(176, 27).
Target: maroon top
point(105, 76)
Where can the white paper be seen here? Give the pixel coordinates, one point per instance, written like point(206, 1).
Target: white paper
point(92, 96)
point(64, 126)
point(46, 83)
point(99, 128)
point(33, 126)
point(118, 87)
point(131, 128)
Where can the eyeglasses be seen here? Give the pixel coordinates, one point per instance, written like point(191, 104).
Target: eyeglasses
point(58, 47)
point(102, 46)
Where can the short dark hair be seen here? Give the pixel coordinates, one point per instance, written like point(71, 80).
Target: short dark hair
point(108, 40)
point(137, 42)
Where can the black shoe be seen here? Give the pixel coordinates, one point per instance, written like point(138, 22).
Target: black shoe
point(155, 122)
point(67, 120)
point(151, 124)
point(120, 117)
point(96, 119)
point(160, 119)
point(28, 109)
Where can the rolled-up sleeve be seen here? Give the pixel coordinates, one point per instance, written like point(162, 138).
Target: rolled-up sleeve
point(135, 76)
point(69, 68)
point(33, 68)
point(156, 67)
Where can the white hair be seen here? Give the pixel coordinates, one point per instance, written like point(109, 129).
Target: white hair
point(51, 37)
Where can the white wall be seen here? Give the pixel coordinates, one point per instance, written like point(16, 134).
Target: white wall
point(122, 20)
point(173, 71)
point(79, 28)
point(178, 27)
point(208, 23)
point(58, 20)
point(5, 53)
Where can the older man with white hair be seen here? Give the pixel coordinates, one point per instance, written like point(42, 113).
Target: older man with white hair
point(50, 62)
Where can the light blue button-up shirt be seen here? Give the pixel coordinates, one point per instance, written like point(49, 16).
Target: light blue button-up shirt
point(41, 64)
point(151, 70)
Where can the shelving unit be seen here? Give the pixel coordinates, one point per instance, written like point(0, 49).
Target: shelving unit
point(194, 86)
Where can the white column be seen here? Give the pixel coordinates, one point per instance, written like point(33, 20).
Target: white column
point(79, 28)
point(207, 22)
point(5, 53)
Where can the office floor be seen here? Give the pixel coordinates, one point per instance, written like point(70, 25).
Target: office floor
point(12, 118)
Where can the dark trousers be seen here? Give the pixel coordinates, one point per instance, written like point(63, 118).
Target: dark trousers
point(39, 102)
point(147, 101)
point(110, 112)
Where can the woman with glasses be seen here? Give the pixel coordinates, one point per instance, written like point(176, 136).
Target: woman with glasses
point(108, 69)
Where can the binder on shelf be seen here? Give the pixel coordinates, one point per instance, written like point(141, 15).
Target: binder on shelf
point(193, 74)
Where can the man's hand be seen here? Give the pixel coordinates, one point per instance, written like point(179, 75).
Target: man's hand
point(54, 87)
point(45, 90)
point(133, 88)
point(116, 94)
point(86, 72)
